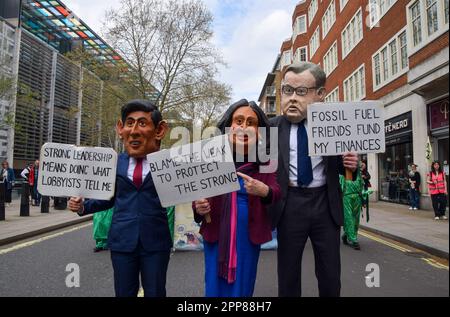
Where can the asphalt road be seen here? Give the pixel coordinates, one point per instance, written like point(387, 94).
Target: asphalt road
point(37, 267)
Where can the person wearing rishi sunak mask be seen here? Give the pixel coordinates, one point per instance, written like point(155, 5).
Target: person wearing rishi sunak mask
point(139, 238)
point(311, 204)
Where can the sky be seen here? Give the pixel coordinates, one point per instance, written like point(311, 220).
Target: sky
point(248, 34)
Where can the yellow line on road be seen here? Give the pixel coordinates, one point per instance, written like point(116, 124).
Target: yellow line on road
point(435, 264)
point(430, 261)
point(390, 244)
point(30, 243)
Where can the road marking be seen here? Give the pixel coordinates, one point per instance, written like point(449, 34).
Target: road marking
point(430, 261)
point(390, 244)
point(30, 243)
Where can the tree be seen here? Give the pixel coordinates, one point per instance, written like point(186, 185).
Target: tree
point(168, 43)
point(6, 95)
point(106, 87)
point(205, 103)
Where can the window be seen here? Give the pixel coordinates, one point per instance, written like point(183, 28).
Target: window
point(446, 11)
point(427, 19)
point(343, 3)
point(312, 10)
point(330, 60)
point(355, 86)
point(376, 63)
point(390, 61)
point(378, 8)
point(300, 25)
point(328, 19)
point(352, 34)
point(384, 58)
point(286, 59)
point(432, 19)
point(314, 42)
point(394, 57)
point(416, 23)
point(301, 55)
point(333, 96)
point(403, 50)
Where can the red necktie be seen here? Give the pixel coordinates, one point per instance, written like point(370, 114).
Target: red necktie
point(137, 174)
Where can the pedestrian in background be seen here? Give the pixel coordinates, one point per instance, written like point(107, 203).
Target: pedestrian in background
point(438, 190)
point(31, 174)
point(7, 177)
point(414, 190)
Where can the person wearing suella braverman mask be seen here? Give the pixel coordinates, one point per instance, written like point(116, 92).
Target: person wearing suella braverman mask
point(139, 238)
point(311, 204)
point(239, 221)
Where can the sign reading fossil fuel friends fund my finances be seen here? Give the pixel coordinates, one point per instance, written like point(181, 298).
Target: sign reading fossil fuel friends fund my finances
point(194, 171)
point(341, 127)
point(70, 171)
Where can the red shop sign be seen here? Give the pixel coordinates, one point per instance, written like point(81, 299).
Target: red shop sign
point(439, 114)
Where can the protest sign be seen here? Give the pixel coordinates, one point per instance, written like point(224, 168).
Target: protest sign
point(70, 171)
point(337, 128)
point(194, 171)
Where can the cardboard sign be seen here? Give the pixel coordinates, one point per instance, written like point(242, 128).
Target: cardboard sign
point(195, 171)
point(69, 171)
point(337, 128)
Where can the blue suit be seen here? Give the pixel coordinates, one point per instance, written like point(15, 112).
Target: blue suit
point(139, 238)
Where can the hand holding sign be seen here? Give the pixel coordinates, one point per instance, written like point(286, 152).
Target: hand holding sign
point(76, 204)
point(350, 162)
point(203, 208)
point(253, 186)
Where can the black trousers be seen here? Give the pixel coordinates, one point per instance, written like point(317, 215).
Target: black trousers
point(307, 215)
point(439, 204)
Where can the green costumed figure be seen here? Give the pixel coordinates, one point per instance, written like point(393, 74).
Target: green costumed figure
point(102, 223)
point(171, 219)
point(354, 196)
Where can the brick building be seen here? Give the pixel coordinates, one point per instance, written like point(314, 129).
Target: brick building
point(57, 100)
point(395, 51)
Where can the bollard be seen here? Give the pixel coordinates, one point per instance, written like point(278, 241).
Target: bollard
point(45, 205)
point(2, 202)
point(25, 200)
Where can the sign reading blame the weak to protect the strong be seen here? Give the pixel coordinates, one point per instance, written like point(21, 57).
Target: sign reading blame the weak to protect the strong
point(66, 170)
point(337, 128)
point(194, 171)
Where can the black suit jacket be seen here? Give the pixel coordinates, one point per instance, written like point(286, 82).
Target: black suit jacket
point(333, 167)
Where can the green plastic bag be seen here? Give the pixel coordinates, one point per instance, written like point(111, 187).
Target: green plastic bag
point(102, 223)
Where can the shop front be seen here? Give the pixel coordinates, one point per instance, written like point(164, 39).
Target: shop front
point(394, 163)
point(439, 131)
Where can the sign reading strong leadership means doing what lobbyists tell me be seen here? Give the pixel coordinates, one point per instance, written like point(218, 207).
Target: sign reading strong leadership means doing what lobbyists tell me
point(70, 171)
point(194, 171)
point(341, 127)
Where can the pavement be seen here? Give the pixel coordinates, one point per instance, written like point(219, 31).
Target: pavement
point(15, 228)
point(414, 228)
point(417, 229)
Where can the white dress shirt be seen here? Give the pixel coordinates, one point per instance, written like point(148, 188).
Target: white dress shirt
point(132, 166)
point(318, 166)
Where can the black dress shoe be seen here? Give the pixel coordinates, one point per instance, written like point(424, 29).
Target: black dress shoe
point(356, 246)
point(98, 249)
point(344, 239)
